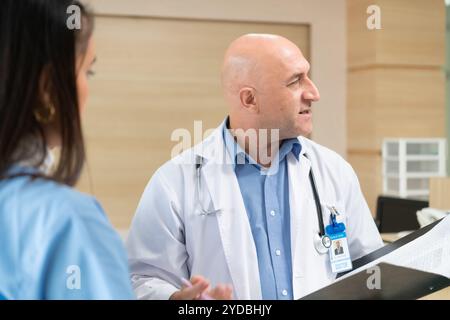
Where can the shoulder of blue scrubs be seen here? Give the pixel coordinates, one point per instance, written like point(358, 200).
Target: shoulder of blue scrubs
point(57, 243)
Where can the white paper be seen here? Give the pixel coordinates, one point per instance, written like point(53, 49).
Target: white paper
point(430, 252)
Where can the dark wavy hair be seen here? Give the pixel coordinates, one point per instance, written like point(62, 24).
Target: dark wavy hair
point(37, 44)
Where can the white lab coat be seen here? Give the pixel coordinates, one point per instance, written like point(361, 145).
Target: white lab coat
point(169, 239)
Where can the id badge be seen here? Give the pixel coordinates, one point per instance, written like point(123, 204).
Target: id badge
point(339, 254)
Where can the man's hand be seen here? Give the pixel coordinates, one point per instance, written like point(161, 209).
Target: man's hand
point(200, 286)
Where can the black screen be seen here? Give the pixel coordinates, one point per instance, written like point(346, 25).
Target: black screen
point(398, 214)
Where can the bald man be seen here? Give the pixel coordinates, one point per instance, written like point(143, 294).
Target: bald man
point(252, 211)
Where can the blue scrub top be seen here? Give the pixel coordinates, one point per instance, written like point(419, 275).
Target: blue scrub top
point(57, 243)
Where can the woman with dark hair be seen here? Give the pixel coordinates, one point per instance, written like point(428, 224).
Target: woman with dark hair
point(55, 243)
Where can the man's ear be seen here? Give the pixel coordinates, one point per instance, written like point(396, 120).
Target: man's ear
point(247, 96)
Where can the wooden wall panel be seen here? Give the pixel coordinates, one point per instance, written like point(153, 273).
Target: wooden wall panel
point(412, 33)
point(361, 109)
point(410, 103)
point(361, 40)
point(440, 193)
point(396, 83)
point(394, 102)
point(368, 168)
point(152, 77)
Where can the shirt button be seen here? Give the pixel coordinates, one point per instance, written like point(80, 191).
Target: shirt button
point(272, 213)
point(284, 292)
point(278, 252)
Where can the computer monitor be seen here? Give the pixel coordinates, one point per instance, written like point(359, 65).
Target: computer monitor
point(398, 214)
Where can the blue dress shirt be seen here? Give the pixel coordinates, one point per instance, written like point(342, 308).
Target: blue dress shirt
point(266, 199)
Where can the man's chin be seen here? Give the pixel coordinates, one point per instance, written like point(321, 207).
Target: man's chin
point(303, 127)
point(296, 134)
point(304, 131)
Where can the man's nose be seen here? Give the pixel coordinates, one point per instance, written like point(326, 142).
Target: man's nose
point(311, 92)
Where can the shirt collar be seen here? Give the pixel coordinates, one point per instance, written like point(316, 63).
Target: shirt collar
point(239, 156)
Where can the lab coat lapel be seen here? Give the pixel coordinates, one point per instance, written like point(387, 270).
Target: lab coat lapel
point(299, 206)
point(310, 270)
point(235, 231)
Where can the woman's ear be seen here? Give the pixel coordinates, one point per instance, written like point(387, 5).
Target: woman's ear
point(45, 86)
point(45, 112)
point(247, 96)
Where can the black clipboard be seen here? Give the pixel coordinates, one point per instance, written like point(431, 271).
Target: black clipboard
point(396, 282)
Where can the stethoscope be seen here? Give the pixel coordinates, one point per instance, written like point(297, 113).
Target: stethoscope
point(199, 195)
point(322, 241)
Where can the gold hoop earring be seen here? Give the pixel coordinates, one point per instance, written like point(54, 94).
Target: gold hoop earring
point(46, 114)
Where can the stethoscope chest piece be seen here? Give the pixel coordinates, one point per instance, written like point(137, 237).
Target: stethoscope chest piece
point(322, 243)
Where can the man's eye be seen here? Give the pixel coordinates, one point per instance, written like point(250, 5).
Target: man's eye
point(90, 73)
point(294, 82)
